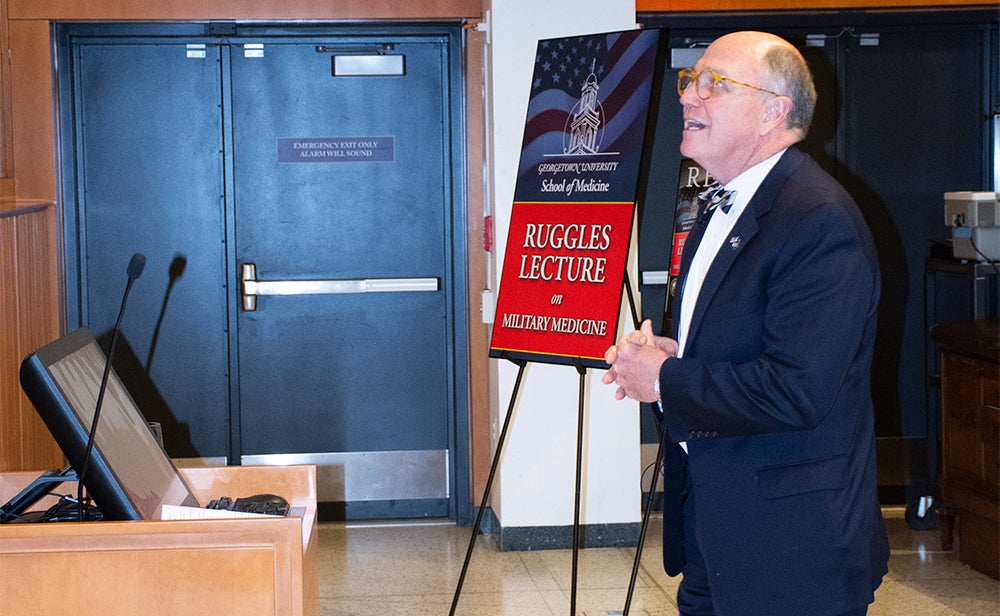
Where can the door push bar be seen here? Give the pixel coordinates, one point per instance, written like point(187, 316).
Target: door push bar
point(252, 288)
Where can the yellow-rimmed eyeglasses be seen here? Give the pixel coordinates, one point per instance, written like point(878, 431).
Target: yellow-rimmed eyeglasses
point(707, 82)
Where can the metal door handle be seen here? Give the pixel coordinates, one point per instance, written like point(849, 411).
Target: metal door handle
point(252, 287)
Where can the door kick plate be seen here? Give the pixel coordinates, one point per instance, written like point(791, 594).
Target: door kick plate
point(252, 287)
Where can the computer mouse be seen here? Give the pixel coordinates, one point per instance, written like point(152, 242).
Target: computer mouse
point(267, 498)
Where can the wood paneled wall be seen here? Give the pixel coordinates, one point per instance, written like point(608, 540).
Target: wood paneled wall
point(5, 134)
point(29, 317)
point(30, 281)
point(199, 10)
point(787, 5)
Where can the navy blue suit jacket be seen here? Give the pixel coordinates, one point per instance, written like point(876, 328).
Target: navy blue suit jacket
point(773, 398)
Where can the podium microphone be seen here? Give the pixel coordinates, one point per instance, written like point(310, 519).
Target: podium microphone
point(135, 267)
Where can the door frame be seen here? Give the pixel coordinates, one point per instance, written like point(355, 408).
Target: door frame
point(456, 168)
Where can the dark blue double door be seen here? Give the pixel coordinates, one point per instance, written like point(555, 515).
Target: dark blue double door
point(295, 194)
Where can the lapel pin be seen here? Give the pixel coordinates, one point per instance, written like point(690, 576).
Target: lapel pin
point(734, 242)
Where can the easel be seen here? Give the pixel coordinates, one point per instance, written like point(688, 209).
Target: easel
point(582, 370)
point(572, 222)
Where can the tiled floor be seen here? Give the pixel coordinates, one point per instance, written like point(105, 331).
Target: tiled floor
point(413, 569)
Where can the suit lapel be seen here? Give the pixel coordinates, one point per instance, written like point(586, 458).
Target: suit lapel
point(745, 228)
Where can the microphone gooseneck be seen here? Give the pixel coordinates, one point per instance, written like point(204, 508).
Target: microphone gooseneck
point(135, 267)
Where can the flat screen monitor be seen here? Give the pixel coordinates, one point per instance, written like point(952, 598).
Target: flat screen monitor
point(129, 476)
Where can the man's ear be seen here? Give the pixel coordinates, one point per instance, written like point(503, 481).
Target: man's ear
point(776, 110)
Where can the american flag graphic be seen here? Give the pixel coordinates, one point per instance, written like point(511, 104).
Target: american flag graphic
point(621, 64)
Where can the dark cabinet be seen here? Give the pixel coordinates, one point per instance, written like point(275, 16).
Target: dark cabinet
point(970, 440)
point(953, 291)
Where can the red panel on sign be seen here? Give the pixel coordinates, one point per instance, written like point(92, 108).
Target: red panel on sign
point(563, 273)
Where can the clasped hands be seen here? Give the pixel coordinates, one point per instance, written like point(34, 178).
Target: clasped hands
point(635, 363)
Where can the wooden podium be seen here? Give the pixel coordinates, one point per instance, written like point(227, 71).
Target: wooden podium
point(264, 565)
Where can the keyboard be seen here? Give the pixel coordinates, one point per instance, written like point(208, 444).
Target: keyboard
point(251, 505)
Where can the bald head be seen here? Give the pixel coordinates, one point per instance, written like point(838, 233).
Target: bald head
point(782, 69)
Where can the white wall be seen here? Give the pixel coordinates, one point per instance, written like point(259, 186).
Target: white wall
point(536, 480)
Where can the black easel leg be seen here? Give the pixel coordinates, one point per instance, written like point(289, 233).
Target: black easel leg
point(579, 475)
point(489, 484)
point(631, 302)
point(645, 525)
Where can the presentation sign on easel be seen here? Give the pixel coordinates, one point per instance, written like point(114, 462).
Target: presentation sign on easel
point(574, 203)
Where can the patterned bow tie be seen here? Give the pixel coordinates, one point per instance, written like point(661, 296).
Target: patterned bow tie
point(716, 196)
